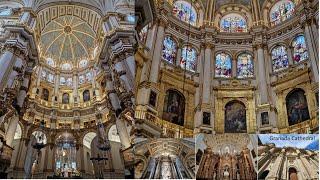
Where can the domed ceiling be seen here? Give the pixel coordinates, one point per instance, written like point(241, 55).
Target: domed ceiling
point(67, 39)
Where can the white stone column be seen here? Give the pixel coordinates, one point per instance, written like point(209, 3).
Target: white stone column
point(23, 90)
point(6, 61)
point(262, 75)
point(179, 55)
point(206, 91)
point(122, 72)
point(156, 58)
point(13, 123)
point(131, 65)
point(123, 133)
point(290, 57)
point(312, 51)
point(201, 59)
point(75, 87)
point(56, 87)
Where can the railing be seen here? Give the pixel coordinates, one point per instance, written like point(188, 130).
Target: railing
point(169, 129)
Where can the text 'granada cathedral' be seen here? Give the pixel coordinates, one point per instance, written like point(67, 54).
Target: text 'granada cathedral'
point(158, 89)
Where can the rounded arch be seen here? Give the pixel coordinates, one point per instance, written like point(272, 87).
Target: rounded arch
point(233, 23)
point(185, 11)
point(88, 138)
point(189, 58)
point(235, 117)
point(281, 11)
point(223, 64)
point(293, 173)
point(279, 57)
point(174, 107)
point(245, 65)
point(169, 50)
point(297, 106)
point(18, 133)
point(300, 52)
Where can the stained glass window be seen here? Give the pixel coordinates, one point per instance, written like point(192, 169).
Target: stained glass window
point(188, 59)
point(223, 65)
point(169, 49)
point(62, 81)
point(279, 57)
point(185, 12)
point(66, 66)
point(69, 82)
point(233, 23)
point(83, 63)
point(245, 66)
point(81, 79)
point(89, 76)
point(300, 52)
point(5, 11)
point(50, 62)
point(43, 74)
point(50, 78)
point(281, 11)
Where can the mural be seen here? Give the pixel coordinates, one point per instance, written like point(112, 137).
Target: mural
point(223, 65)
point(279, 57)
point(185, 12)
point(86, 95)
point(297, 107)
point(233, 23)
point(169, 50)
point(281, 11)
point(189, 59)
point(174, 107)
point(235, 117)
point(300, 52)
point(245, 66)
point(65, 98)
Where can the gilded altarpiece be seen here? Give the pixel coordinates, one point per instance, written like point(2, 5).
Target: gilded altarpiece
point(295, 79)
point(225, 94)
point(174, 80)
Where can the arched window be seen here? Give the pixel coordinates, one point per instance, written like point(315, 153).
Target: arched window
point(281, 11)
point(6, 11)
point(50, 62)
point(245, 66)
point(83, 63)
point(235, 117)
point(86, 95)
point(300, 52)
point(66, 66)
point(223, 65)
point(62, 81)
point(113, 134)
point(297, 107)
point(65, 98)
point(233, 23)
point(45, 94)
point(279, 57)
point(174, 107)
point(169, 49)
point(293, 174)
point(18, 133)
point(185, 12)
point(188, 59)
point(50, 78)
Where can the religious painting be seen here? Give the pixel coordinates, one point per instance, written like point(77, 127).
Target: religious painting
point(86, 95)
point(297, 107)
point(153, 98)
point(185, 12)
point(233, 23)
point(281, 11)
point(264, 118)
point(174, 107)
point(223, 65)
point(65, 98)
point(300, 52)
point(45, 94)
point(279, 57)
point(188, 59)
point(169, 50)
point(206, 118)
point(235, 117)
point(245, 66)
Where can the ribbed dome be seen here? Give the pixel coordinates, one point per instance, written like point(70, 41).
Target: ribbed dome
point(67, 39)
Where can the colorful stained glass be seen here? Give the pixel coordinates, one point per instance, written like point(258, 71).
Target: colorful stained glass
point(50, 78)
point(245, 66)
point(66, 66)
point(223, 65)
point(6, 11)
point(81, 79)
point(83, 63)
point(281, 11)
point(69, 82)
point(300, 52)
point(169, 49)
point(62, 81)
point(188, 59)
point(50, 62)
point(279, 57)
point(233, 23)
point(89, 76)
point(185, 12)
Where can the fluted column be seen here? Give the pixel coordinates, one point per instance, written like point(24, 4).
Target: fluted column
point(75, 88)
point(23, 89)
point(13, 123)
point(56, 87)
point(156, 59)
point(7, 60)
point(262, 83)
point(207, 75)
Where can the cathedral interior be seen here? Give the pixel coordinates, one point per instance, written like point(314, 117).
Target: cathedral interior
point(157, 89)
